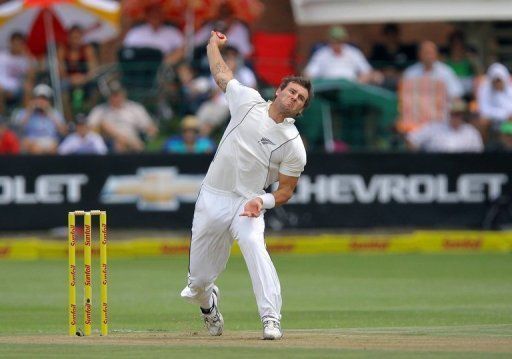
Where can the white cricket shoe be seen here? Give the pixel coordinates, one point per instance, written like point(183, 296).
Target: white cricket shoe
point(214, 321)
point(271, 329)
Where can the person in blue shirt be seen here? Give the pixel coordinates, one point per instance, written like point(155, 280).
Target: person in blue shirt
point(189, 141)
point(41, 126)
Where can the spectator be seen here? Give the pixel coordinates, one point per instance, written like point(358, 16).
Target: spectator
point(215, 111)
point(495, 96)
point(9, 144)
point(430, 66)
point(189, 141)
point(17, 70)
point(193, 89)
point(78, 63)
point(453, 135)
point(237, 32)
point(182, 94)
point(391, 56)
point(339, 60)
point(82, 140)
point(41, 126)
point(122, 122)
point(463, 60)
point(156, 35)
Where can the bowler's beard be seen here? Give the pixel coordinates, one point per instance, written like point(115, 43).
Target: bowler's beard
point(283, 109)
point(288, 113)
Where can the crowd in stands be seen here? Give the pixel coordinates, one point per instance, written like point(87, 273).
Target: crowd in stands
point(447, 101)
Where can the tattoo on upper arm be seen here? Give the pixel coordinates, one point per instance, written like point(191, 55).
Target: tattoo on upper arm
point(220, 68)
point(221, 75)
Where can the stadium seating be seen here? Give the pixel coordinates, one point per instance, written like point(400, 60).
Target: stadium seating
point(139, 67)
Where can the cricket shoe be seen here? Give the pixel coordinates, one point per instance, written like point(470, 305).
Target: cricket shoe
point(214, 321)
point(271, 329)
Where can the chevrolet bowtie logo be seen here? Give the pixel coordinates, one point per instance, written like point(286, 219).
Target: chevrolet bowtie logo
point(265, 141)
point(152, 189)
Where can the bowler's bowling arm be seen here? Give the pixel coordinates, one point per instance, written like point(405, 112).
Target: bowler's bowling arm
point(220, 71)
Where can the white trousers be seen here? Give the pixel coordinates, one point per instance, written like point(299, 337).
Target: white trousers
point(217, 222)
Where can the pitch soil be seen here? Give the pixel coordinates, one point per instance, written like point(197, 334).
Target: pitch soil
point(308, 339)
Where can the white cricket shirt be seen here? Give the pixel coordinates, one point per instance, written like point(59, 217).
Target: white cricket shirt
point(254, 148)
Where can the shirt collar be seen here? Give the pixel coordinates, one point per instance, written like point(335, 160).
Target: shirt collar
point(287, 120)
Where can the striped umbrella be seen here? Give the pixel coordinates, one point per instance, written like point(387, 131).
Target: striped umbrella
point(45, 23)
point(47, 20)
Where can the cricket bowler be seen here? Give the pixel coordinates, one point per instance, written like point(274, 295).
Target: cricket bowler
point(260, 146)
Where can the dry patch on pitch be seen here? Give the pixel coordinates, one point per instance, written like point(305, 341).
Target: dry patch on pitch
point(407, 339)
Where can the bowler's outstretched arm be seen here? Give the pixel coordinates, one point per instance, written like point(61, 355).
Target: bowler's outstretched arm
point(285, 189)
point(282, 195)
point(220, 71)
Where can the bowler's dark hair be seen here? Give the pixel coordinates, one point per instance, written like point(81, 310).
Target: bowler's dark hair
point(302, 81)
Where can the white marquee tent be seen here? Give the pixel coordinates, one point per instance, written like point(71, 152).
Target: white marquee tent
point(318, 12)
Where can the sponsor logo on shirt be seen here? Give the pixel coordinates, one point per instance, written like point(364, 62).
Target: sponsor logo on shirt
point(265, 141)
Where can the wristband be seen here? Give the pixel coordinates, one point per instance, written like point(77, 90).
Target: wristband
point(269, 201)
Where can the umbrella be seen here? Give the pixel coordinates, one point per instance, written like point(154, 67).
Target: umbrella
point(39, 18)
point(45, 23)
point(177, 11)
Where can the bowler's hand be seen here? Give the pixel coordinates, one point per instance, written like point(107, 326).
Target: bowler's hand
point(253, 208)
point(218, 39)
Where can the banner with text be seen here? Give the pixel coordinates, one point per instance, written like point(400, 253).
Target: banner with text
point(335, 191)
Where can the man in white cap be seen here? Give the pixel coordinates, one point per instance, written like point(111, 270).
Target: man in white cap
point(41, 125)
point(260, 146)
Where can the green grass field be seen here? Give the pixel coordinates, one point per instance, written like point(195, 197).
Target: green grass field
point(333, 305)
